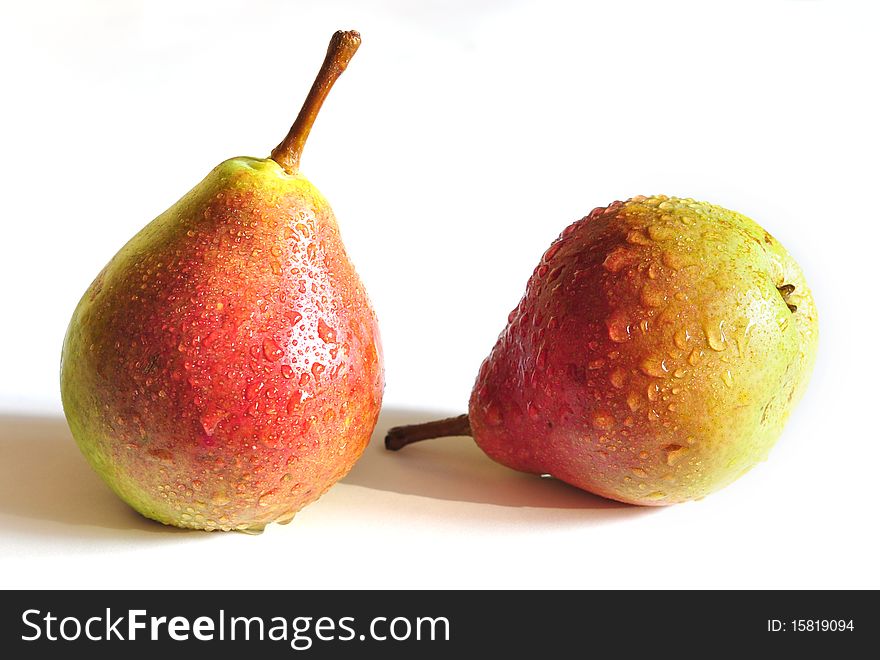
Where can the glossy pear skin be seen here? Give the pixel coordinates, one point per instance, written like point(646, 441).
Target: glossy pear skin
point(224, 369)
point(653, 358)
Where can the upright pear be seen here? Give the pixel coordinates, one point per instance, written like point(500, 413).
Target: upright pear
point(224, 369)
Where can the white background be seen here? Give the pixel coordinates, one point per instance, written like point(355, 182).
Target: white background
point(462, 139)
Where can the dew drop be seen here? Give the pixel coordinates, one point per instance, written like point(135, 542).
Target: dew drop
point(266, 498)
point(541, 359)
point(654, 366)
point(210, 420)
point(220, 499)
point(633, 401)
point(303, 379)
point(286, 370)
point(551, 251)
point(326, 333)
point(660, 232)
point(253, 389)
point(639, 472)
point(656, 495)
point(619, 258)
point(293, 317)
point(317, 370)
point(618, 378)
point(532, 410)
point(293, 403)
point(673, 259)
point(271, 350)
point(602, 421)
point(727, 378)
point(493, 415)
point(695, 357)
point(618, 327)
point(715, 337)
point(636, 237)
point(681, 338)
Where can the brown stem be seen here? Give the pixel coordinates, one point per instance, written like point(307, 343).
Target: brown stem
point(342, 48)
point(401, 436)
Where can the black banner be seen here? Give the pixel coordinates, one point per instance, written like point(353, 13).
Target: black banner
point(317, 624)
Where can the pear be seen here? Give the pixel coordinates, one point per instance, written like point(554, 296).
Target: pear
point(657, 352)
point(224, 369)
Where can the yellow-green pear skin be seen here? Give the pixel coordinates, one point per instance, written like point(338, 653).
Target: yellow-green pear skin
point(656, 354)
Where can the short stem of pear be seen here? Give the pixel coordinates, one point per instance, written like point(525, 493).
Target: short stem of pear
point(401, 436)
point(342, 48)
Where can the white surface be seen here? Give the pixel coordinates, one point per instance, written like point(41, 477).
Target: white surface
point(463, 138)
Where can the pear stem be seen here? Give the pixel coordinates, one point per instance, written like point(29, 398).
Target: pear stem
point(401, 436)
point(342, 48)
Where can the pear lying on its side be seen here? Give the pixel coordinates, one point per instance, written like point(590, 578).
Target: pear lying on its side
point(224, 369)
point(656, 354)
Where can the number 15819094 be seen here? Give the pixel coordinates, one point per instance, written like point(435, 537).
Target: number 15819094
point(810, 625)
